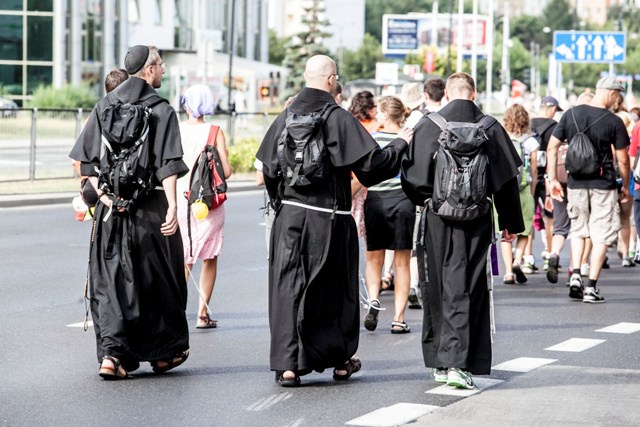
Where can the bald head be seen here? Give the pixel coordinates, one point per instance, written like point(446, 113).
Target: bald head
point(320, 73)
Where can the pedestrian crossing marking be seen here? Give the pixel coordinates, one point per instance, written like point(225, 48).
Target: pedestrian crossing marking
point(481, 384)
point(575, 345)
point(621, 328)
point(523, 364)
point(394, 415)
point(80, 324)
point(268, 401)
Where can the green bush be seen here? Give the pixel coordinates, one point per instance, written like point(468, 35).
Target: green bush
point(64, 97)
point(242, 155)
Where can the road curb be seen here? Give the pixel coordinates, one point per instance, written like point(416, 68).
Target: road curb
point(43, 199)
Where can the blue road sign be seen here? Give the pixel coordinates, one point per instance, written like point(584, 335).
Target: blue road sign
point(590, 46)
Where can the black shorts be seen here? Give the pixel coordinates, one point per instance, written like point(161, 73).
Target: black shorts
point(389, 218)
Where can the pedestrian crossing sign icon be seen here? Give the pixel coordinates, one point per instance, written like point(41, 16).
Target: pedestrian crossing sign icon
point(590, 47)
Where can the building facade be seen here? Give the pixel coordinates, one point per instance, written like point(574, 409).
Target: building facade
point(58, 42)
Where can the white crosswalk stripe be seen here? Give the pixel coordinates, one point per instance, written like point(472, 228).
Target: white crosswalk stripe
point(575, 345)
point(621, 328)
point(522, 364)
point(394, 415)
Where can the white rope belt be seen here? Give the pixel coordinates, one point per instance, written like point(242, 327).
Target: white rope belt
point(315, 208)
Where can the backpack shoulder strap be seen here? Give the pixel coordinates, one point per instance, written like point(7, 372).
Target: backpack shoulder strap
point(545, 128)
point(327, 110)
point(438, 120)
point(487, 121)
point(213, 135)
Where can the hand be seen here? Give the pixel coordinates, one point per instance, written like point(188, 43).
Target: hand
point(108, 202)
point(406, 134)
point(555, 189)
point(624, 196)
point(507, 237)
point(548, 204)
point(170, 225)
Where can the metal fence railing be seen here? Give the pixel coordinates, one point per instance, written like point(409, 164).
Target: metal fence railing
point(35, 143)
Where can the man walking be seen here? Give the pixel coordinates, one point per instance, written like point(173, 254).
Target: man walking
point(136, 273)
point(456, 339)
point(592, 199)
point(313, 257)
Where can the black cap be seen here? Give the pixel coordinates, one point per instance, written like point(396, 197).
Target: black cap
point(550, 101)
point(136, 58)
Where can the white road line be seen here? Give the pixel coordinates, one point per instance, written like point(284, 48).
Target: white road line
point(268, 401)
point(575, 345)
point(405, 340)
point(481, 384)
point(80, 324)
point(522, 364)
point(394, 415)
point(621, 328)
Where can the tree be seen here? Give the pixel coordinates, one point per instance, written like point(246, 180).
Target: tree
point(277, 49)
point(304, 45)
point(361, 63)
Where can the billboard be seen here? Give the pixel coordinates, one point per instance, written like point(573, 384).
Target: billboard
point(404, 34)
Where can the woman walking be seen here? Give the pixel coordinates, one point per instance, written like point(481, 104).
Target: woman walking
point(204, 241)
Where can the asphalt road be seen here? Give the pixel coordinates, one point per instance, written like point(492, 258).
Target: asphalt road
point(48, 369)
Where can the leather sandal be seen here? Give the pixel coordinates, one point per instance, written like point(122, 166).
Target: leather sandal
point(400, 327)
point(208, 323)
point(112, 374)
point(352, 366)
point(171, 363)
point(288, 382)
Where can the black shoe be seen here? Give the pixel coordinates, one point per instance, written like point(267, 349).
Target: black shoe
point(605, 264)
point(371, 319)
point(414, 301)
point(552, 268)
point(520, 276)
point(288, 382)
point(575, 286)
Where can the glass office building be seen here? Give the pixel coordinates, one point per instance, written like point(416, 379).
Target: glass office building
point(57, 42)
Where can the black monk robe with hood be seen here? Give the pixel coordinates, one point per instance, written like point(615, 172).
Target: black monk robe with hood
point(313, 265)
point(453, 280)
point(137, 283)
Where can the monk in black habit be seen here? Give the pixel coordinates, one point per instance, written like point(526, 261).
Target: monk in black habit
point(456, 327)
point(313, 263)
point(136, 270)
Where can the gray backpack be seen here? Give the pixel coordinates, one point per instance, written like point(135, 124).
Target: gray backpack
point(460, 191)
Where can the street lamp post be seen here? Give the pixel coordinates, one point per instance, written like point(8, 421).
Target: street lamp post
point(232, 22)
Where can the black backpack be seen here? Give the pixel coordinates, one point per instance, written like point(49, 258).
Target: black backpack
point(460, 191)
point(302, 154)
point(582, 157)
point(125, 171)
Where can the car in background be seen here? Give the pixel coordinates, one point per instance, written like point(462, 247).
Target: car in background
point(8, 108)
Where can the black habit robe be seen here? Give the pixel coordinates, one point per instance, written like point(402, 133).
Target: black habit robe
point(137, 283)
point(313, 265)
point(456, 329)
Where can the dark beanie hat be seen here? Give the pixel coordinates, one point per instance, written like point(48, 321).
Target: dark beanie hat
point(136, 58)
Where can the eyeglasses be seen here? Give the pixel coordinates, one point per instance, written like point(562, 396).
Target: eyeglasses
point(337, 76)
point(161, 65)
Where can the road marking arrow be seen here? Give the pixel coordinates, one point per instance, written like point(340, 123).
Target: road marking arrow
point(597, 47)
point(565, 51)
point(582, 45)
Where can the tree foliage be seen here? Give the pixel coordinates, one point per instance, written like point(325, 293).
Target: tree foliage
point(304, 45)
point(65, 97)
point(277, 48)
point(361, 63)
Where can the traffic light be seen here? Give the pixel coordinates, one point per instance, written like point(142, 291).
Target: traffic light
point(526, 77)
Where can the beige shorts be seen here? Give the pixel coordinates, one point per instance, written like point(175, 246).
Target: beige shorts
point(594, 213)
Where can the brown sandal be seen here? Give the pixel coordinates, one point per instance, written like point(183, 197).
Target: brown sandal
point(171, 363)
point(352, 366)
point(208, 323)
point(111, 374)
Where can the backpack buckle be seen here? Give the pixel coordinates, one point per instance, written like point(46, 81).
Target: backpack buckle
point(298, 157)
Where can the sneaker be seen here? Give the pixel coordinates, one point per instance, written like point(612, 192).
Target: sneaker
point(414, 301)
point(545, 264)
point(460, 379)
point(584, 270)
point(440, 375)
point(605, 264)
point(575, 286)
point(627, 262)
point(371, 319)
point(528, 268)
point(637, 258)
point(592, 295)
point(552, 269)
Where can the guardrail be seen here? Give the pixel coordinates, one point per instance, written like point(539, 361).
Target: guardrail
point(35, 143)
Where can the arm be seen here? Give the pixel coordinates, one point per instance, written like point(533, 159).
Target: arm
point(534, 170)
point(507, 203)
point(356, 186)
point(381, 164)
point(221, 145)
point(555, 189)
point(623, 164)
point(170, 225)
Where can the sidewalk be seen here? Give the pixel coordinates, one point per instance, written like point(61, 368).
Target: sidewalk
point(48, 192)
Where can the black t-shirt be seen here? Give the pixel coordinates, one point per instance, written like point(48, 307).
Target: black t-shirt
point(543, 127)
point(608, 131)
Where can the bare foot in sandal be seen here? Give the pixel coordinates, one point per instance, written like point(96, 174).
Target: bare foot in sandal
point(110, 369)
point(162, 366)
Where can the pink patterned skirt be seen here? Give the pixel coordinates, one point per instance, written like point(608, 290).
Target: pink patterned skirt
point(207, 234)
